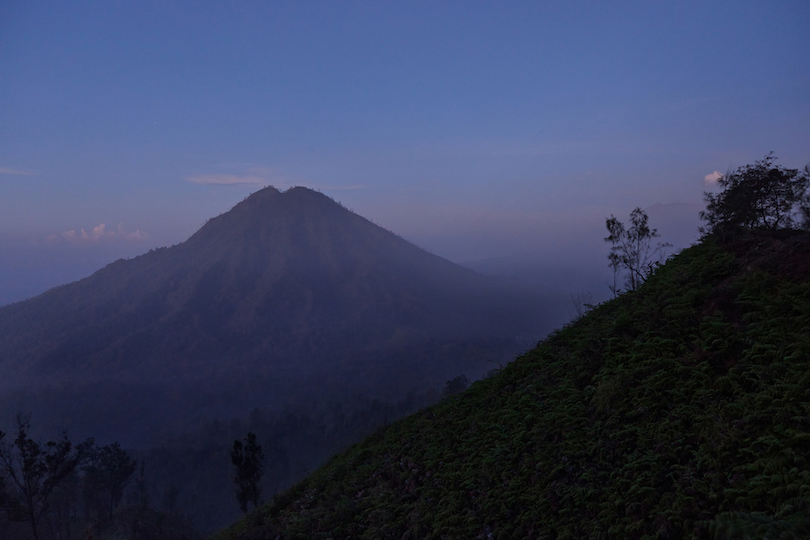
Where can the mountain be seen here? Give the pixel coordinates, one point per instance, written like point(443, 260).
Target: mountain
point(288, 296)
point(680, 410)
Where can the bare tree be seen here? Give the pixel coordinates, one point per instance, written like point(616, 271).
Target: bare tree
point(633, 250)
point(583, 302)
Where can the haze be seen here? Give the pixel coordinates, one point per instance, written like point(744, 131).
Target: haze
point(477, 130)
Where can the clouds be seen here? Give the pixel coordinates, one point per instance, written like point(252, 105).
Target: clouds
point(253, 175)
point(97, 234)
point(226, 179)
point(246, 174)
point(336, 187)
point(14, 172)
point(712, 179)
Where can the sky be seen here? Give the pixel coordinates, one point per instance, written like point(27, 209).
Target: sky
point(476, 130)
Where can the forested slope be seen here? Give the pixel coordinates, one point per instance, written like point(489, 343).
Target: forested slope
point(680, 410)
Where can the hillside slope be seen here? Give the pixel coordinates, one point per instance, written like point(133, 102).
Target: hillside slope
point(679, 411)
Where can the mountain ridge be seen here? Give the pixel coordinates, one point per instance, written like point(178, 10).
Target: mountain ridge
point(289, 288)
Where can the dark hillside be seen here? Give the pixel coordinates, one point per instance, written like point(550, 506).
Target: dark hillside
point(681, 410)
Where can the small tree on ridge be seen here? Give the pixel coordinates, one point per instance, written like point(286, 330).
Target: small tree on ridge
point(632, 249)
point(758, 196)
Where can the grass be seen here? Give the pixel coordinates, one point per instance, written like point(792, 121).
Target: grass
point(681, 410)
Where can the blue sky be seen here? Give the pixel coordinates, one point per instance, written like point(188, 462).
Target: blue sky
point(474, 129)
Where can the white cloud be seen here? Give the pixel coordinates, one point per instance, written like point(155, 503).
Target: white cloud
point(226, 179)
point(4, 170)
point(265, 176)
point(97, 234)
point(711, 179)
point(351, 187)
point(250, 174)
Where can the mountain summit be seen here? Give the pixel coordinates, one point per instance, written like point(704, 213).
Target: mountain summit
point(287, 293)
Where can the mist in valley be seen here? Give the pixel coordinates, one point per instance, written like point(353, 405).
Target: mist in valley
point(307, 220)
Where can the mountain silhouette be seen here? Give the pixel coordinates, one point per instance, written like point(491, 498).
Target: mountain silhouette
point(287, 294)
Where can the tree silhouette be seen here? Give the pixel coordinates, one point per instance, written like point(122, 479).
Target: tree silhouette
point(758, 196)
point(35, 471)
point(107, 471)
point(247, 459)
point(455, 385)
point(632, 249)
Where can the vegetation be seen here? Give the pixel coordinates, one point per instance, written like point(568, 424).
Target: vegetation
point(35, 471)
point(632, 250)
point(247, 460)
point(107, 472)
point(295, 441)
point(455, 385)
point(58, 490)
point(758, 196)
point(679, 410)
point(285, 297)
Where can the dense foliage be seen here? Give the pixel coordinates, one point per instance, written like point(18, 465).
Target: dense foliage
point(758, 196)
point(680, 410)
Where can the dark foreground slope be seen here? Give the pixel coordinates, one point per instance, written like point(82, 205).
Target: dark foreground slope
point(679, 411)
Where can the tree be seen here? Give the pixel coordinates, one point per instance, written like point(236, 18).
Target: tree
point(583, 302)
point(758, 196)
point(247, 458)
point(455, 385)
point(107, 472)
point(632, 249)
point(35, 471)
